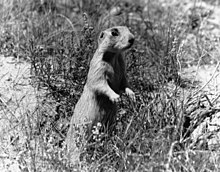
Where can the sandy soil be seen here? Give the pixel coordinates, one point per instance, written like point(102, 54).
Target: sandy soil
point(17, 98)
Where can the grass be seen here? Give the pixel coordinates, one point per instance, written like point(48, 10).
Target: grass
point(154, 134)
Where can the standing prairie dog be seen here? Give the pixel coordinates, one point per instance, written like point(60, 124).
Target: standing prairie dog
point(105, 81)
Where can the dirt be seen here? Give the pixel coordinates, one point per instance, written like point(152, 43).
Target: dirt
point(17, 98)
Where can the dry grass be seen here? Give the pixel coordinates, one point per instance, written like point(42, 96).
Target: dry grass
point(167, 129)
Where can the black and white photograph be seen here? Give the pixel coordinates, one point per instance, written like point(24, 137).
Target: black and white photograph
point(109, 85)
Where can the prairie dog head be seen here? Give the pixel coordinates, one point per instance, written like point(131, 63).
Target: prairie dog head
point(115, 39)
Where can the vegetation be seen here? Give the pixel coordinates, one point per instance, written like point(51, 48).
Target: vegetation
point(58, 38)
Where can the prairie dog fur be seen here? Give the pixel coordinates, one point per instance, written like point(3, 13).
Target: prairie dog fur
point(105, 81)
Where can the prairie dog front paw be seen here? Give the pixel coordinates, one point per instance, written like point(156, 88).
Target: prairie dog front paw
point(130, 93)
point(114, 98)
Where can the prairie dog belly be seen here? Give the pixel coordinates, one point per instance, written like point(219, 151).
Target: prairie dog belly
point(85, 108)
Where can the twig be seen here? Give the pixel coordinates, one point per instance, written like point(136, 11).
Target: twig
point(217, 97)
point(207, 98)
point(197, 67)
point(170, 154)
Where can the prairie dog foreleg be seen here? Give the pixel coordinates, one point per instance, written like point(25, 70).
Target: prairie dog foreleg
point(99, 83)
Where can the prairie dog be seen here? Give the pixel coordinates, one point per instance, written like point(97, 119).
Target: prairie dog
point(105, 81)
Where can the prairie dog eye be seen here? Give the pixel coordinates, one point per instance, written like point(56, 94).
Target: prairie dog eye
point(101, 35)
point(115, 32)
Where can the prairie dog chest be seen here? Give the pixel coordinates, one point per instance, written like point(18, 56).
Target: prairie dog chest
point(115, 69)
